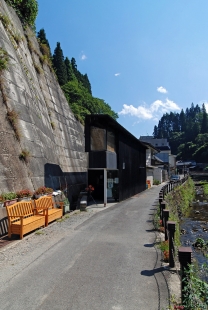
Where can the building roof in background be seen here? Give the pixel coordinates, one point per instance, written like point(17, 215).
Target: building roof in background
point(163, 148)
point(149, 145)
point(158, 159)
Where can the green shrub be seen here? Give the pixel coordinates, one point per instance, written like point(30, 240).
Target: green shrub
point(156, 182)
point(27, 10)
point(4, 59)
point(8, 196)
point(196, 290)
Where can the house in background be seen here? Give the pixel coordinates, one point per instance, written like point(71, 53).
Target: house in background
point(153, 164)
point(117, 159)
point(168, 164)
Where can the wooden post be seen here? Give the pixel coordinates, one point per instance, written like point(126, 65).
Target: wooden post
point(160, 201)
point(185, 257)
point(171, 230)
point(163, 205)
point(166, 216)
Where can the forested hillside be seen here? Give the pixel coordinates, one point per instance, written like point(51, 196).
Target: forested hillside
point(187, 133)
point(75, 85)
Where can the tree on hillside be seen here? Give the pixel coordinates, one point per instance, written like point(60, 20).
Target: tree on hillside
point(59, 65)
point(204, 126)
point(41, 35)
point(44, 44)
point(69, 70)
point(83, 79)
point(186, 132)
point(83, 103)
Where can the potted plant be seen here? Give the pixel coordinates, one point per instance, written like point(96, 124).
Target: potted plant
point(9, 198)
point(49, 190)
point(37, 193)
point(42, 190)
point(24, 194)
point(66, 205)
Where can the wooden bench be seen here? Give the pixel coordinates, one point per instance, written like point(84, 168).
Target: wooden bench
point(44, 206)
point(22, 219)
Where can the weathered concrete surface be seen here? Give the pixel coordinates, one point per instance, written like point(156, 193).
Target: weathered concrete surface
point(57, 157)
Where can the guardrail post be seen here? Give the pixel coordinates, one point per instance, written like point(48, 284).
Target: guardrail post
point(185, 258)
point(160, 201)
point(171, 230)
point(163, 205)
point(166, 216)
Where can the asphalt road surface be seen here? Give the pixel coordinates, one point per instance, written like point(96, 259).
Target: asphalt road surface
point(107, 262)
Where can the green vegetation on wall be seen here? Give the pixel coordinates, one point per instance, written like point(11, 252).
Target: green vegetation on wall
point(27, 10)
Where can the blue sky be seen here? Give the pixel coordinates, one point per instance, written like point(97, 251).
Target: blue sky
point(143, 57)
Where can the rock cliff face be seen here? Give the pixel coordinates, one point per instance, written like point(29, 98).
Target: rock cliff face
point(46, 134)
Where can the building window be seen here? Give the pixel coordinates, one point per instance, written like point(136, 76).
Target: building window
point(111, 141)
point(97, 139)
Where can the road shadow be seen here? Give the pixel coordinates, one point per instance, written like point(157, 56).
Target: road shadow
point(150, 245)
point(150, 273)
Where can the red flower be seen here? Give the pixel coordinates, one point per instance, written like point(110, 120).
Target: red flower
point(89, 189)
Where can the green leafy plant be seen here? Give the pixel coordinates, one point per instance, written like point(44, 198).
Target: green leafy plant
point(156, 182)
point(201, 243)
point(164, 246)
point(27, 10)
point(195, 289)
point(4, 59)
point(5, 20)
point(8, 196)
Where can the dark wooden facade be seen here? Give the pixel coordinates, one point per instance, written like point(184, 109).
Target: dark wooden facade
point(128, 156)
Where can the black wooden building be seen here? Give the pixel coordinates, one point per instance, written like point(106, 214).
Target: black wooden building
point(117, 159)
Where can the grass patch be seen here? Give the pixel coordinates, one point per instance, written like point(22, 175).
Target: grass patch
point(4, 59)
point(38, 69)
point(39, 232)
point(25, 155)
point(13, 118)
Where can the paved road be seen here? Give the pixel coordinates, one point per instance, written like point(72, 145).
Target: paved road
point(107, 262)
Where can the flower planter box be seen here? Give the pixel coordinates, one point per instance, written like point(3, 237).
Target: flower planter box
point(9, 202)
point(24, 198)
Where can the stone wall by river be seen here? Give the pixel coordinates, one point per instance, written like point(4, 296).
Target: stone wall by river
point(48, 128)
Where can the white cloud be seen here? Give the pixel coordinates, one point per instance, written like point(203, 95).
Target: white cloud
point(117, 74)
point(162, 90)
point(154, 111)
point(83, 57)
point(140, 112)
point(206, 106)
